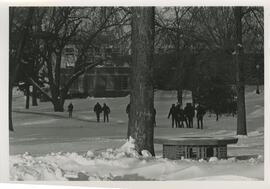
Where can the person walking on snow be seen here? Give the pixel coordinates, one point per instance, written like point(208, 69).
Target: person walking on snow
point(173, 113)
point(181, 117)
point(70, 110)
point(106, 111)
point(189, 114)
point(199, 115)
point(98, 110)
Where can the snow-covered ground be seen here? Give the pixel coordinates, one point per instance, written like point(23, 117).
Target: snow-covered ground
point(49, 146)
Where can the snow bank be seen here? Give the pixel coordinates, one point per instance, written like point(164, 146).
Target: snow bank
point(26, 167)
point(126, 150)
point(125, 163)
point(213, 159)
point(256, 133)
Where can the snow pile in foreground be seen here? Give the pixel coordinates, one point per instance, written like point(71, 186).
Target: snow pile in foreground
point(125, 163)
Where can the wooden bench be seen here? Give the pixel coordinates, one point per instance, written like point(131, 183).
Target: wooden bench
point(195, 147)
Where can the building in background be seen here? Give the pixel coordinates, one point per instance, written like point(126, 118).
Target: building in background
point(111, 79)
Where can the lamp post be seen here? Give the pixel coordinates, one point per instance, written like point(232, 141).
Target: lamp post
point(258, 78)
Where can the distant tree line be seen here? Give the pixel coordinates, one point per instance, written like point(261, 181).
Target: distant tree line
point(209, 63)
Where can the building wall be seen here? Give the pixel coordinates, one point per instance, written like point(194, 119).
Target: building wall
point(100, 82)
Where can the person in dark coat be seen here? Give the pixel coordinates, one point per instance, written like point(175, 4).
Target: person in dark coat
point(189, 114)
point(173, 113)
point(70, 110)
point(177, 118)
point(106, 111)
point(181, 117)
point(98, 110)
point(200, 113)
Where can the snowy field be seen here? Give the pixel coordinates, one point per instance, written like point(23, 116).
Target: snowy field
point(49, 146)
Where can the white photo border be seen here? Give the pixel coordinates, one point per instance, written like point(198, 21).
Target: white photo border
point(4, 133)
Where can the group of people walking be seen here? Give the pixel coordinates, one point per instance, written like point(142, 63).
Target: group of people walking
point(180, 115)
point(105, 109)
point(98, 109)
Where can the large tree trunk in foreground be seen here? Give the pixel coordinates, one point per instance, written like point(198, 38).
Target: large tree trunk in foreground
point(240, 84)
point(141, 123)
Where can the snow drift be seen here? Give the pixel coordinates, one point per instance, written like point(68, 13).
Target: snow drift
point(125, 163)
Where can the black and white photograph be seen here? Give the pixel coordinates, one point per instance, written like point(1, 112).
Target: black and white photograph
point(136, 93)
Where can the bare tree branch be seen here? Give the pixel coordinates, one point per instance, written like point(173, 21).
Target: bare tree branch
point(76, 75)
point(38, 87)
point(258, 20)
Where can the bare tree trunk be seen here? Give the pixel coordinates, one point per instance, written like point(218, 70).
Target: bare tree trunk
point(11, 68)
point(180, 69)
point(14, 64)
point(129, 127)
point(141, 122)
point(27, 94)
point(58, 68)
point(34, 96)
point(10, 106)
point(34, 88)
point(58, 105)
point(56, 99)
point(240, 83)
